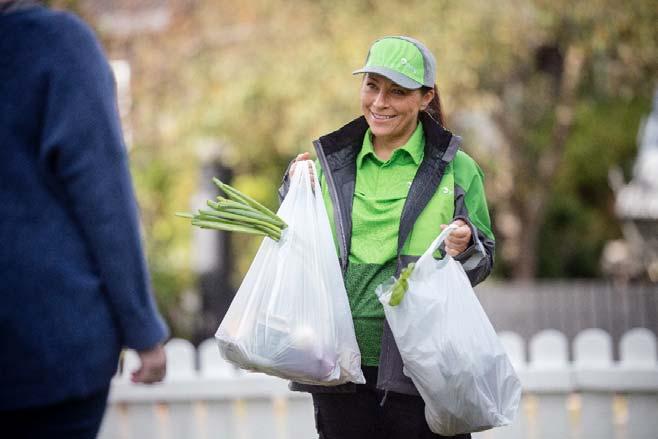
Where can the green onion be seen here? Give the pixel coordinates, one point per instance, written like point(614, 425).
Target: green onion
point(401, 285)
point(237, 213)
point(238, 196)
point(217, 225)
point(239, 218)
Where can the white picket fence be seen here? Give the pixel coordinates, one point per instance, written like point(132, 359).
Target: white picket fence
point(587, 397)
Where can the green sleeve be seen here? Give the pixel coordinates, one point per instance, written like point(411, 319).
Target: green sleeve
point(471, 206)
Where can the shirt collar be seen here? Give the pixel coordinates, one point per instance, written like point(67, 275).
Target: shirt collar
point(414, 146)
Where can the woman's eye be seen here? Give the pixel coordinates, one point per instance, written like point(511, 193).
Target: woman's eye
point(399, 92)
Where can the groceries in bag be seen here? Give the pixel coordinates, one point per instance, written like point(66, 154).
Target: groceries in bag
point(281, 351)
point(290, 317)
point(448, 346)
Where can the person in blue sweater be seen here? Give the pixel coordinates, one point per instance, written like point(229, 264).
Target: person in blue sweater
point(74, 288)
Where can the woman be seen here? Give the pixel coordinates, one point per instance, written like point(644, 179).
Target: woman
point(391, 181)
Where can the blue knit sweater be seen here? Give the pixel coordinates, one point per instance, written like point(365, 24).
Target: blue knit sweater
point(74, 286)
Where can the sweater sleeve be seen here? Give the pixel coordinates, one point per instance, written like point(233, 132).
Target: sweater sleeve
point(82, 146)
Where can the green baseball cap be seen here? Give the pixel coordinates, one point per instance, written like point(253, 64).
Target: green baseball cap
point(403, 60)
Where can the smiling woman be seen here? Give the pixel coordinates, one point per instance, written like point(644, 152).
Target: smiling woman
point(391, 111)
point(391, 180)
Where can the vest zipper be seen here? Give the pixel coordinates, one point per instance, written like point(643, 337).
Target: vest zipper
point(381, 404)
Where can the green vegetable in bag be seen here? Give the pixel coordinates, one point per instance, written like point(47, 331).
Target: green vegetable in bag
point(401, 285)
point(238, 213)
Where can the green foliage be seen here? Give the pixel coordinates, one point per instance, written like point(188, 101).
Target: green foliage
point(580, 217)
point(255, 82)
point(160, 186)
point(71, 5)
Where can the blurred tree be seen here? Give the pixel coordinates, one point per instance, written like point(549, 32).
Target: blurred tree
point(548, 63)
point(559, 89)
point(70, 5)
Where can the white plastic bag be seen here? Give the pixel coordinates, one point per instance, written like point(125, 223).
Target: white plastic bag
point(290, 317)
point(449, 348)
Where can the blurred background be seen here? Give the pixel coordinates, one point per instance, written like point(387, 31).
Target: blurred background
point(553, 98)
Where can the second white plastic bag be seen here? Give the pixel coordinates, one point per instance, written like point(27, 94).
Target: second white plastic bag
point(449, 348)
point(290, 317)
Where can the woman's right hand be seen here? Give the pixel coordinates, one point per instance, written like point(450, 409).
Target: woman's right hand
point(301, 157)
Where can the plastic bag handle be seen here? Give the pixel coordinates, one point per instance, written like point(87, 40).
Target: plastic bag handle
point(316, 181)
point(305, 174)
point(437, 243)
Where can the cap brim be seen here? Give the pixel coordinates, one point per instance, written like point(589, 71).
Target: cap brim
point(394, 76)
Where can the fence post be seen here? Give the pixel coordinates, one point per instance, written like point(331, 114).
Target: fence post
point(637, 350)
point(220, 413)
point(515, 348)
point(181, 370)
point(139, 416)
point(111, 426)
point(257, 416)
point(549, 377)
point(592, 374)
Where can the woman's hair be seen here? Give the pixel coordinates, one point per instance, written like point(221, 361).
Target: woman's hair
point(434, 107)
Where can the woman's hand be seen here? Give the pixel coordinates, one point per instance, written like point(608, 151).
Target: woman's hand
point(458, 240)
point(153, 365)
point(301, 157)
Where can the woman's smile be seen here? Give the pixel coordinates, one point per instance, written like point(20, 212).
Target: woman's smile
point(381, 117)
point(391, 110)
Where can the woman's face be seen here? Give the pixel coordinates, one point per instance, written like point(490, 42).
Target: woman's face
point(391, 110)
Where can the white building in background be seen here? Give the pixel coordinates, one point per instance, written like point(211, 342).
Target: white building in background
point(637, 207)
point(126, 18)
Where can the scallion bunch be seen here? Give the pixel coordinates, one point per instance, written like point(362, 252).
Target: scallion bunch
point(237, 212)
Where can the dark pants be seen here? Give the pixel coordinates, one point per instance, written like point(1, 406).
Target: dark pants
point(362, 415)
point(72, 419)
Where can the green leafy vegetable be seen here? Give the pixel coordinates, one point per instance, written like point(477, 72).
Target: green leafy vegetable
point(401, 285)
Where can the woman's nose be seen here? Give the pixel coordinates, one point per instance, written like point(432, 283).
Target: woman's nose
point(380, 99)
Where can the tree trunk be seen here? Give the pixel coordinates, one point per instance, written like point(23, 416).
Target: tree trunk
point(525, 267)
point(533, 207)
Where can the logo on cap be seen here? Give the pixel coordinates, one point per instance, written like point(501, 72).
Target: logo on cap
point(407, 65)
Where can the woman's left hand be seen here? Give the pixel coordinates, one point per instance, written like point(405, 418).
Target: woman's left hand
point(458, 240)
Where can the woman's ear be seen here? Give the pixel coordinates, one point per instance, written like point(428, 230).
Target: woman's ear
point(426, 99)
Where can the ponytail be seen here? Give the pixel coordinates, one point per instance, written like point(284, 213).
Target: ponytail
point(434, 107)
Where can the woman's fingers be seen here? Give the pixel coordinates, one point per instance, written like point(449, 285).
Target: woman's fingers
point(300, 157)
point(303, 157)
point(459, 239)
point(153, 366)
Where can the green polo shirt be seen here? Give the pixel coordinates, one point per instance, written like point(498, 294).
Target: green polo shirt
point(379, 195)
point(381, 190)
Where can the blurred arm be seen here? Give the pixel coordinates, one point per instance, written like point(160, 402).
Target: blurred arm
point(82, 146)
